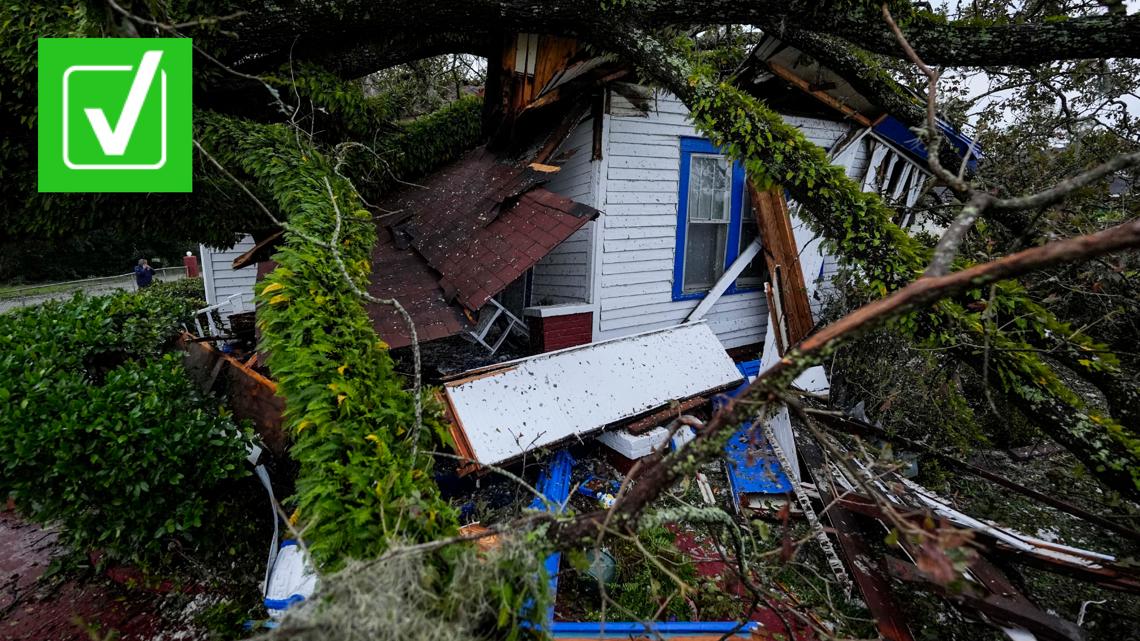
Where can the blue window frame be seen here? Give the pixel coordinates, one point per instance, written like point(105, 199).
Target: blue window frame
point(714, 223)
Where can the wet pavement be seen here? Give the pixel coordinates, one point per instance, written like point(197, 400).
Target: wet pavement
point(66, 609)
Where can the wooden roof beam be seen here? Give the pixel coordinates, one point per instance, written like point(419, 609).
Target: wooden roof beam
point(831, 101)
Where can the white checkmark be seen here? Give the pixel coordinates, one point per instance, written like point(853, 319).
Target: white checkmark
point(114, 141)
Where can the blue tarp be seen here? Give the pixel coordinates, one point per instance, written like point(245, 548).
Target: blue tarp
point(893, 130)
point(630, 629)
point(752, 466)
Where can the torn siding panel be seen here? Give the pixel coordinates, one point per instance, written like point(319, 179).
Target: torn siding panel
point(221, 280)
point(503, 412)
point(563, 275)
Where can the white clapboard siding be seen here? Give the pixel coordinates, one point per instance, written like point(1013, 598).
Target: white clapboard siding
point(563, 275)
point(639, 232)
point(220, 278)
point(855, 159)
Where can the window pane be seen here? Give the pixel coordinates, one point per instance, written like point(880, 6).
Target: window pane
point(757, 271)
point(709, 188)
point(704, 255)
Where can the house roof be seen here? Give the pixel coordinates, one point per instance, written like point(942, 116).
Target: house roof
point(783, 62)
point(460, 237)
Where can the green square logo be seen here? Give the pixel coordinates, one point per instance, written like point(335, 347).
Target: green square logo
point(115, 114)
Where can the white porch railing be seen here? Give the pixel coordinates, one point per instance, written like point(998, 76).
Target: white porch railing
point(234, 304)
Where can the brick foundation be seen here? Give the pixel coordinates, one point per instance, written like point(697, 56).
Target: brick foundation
point(558, 332)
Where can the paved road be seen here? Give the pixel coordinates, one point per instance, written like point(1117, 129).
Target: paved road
point(91, 289)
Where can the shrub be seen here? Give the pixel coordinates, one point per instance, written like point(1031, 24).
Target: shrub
point(189, 291)
point(101, 432)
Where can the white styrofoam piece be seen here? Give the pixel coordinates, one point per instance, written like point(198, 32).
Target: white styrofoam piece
point(814, 380)
point(541, 400)
point(781, 424)
point(682, 437)
point(634, 446)
point(292, 580)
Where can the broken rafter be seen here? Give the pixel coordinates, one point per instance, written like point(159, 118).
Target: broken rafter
point(870, 577)
point(831, 101)
point(261, 251)
point(783, 258)
point(805, 505)
point(1080, 564)
point(997, 607)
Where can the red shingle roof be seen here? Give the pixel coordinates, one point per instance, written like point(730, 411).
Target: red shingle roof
point(474, 227)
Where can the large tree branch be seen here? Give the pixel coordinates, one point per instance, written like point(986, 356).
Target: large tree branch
point(858, 227)
point(315, 30)
point(662, 471)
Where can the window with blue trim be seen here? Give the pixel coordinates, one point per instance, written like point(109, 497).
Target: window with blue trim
point(714, 223)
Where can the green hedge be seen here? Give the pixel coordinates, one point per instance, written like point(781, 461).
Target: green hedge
point(102, 432)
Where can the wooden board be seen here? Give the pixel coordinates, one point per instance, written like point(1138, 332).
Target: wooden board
point(249, 395)
point(780, 251)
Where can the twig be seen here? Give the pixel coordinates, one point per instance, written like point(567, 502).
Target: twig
point(977, 202)
point(177, 25)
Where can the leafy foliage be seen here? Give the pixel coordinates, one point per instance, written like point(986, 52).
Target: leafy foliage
point(359, 485)
point(103, 433)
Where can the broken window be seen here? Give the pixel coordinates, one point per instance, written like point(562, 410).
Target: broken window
point(714, 224)
point(756, 272)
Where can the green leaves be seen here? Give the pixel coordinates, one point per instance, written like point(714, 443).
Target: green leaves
point(101, 432)
point(350, 414)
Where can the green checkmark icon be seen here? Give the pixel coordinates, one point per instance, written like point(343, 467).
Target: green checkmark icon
point(115, 115)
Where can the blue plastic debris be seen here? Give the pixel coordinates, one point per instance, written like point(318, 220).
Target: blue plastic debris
point(291, 581)
point(893, 130)
point(751, 466)
point(666, 629)
point(554, 485)
point(606, 494)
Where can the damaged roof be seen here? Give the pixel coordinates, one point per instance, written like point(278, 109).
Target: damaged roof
point(460, 237)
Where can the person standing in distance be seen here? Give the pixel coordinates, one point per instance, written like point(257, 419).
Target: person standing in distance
point(144, 274)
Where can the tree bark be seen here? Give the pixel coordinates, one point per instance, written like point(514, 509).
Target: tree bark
point(662, 471)
point(269, 32)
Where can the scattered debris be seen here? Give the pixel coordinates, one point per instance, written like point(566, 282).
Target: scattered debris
point(292, 580)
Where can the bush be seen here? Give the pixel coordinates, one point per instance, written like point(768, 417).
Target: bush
point(188, 291)
point(101, 432)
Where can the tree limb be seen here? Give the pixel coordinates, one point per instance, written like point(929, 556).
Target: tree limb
point(662, 471)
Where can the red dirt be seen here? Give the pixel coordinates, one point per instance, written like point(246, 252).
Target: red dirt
point(707, 562)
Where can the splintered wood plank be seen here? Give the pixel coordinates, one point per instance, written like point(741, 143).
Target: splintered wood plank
point(780, 251)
